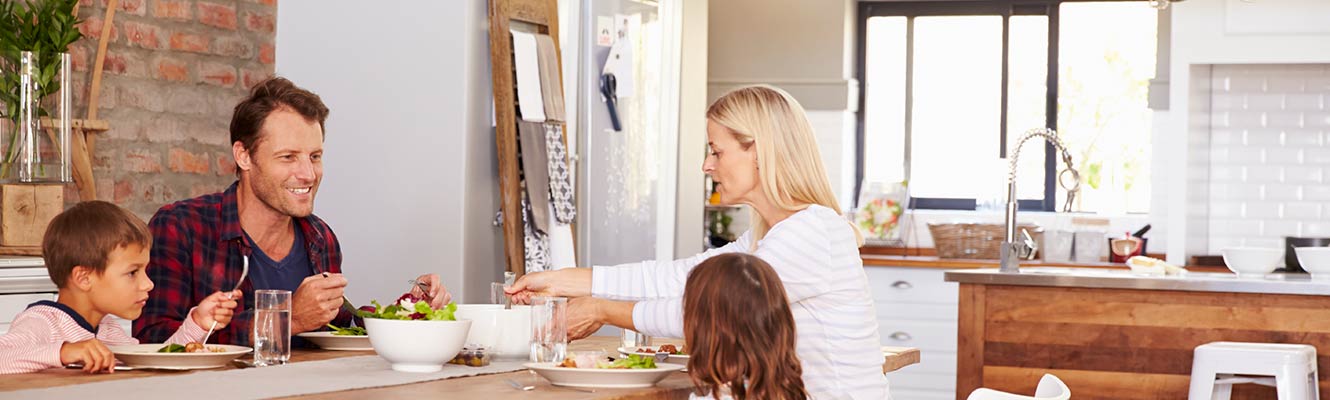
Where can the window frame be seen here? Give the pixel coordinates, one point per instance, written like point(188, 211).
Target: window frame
point(1003, 8)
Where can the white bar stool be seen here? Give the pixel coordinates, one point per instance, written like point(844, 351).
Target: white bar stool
point(1290, 368)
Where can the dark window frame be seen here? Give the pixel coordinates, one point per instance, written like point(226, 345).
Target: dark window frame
point(1003, 8)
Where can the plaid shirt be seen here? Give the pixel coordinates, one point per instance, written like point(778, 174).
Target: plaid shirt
point(196, 251)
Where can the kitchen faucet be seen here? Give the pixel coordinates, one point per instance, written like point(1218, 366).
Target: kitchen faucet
point(1012, 251)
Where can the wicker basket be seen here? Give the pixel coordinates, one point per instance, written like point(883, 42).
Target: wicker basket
point(973, 241)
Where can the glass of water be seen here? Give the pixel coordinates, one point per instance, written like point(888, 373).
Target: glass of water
point(633, 339)
point(272, 327)
point(549, 329)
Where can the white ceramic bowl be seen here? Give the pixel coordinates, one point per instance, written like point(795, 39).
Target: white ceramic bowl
point(1316, 260)
point(417, 346)
point(1246, 261)
point(484, 323)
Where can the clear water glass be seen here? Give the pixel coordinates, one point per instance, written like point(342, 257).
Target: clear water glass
point(272, 327)
point(633, 339)
point(549, 329)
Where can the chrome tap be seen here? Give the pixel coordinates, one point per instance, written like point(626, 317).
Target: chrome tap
point(1013, 251)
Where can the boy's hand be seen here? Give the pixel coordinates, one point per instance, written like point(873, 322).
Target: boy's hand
point(219, 307)
point(92, 353)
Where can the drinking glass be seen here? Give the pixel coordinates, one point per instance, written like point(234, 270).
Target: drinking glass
point(549, 329)
point(272, 327)
point(633, 339)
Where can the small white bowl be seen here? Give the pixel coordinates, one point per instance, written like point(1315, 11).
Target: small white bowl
point(1252, 261)
point(1316, 260)
point(417, 345)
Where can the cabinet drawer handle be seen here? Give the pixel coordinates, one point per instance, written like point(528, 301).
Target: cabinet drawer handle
point(902, 285)
point(901, 336)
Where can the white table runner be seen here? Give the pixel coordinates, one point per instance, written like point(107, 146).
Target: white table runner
point(255, 383)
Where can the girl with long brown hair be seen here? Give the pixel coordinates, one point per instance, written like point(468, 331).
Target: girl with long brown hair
point(739, 331)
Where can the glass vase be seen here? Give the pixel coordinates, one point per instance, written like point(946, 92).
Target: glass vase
point(34, 138)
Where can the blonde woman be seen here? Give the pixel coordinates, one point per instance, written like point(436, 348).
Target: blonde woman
point(762, 154)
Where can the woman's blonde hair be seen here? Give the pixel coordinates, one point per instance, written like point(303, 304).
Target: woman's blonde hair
point(789, 164)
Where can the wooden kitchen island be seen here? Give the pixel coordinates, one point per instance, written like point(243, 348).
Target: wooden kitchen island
point(1112, 335)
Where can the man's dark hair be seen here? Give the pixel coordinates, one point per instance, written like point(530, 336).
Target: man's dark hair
point(268, 96)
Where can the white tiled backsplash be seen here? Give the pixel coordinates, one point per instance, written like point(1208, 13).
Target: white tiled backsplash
point(1269, 157)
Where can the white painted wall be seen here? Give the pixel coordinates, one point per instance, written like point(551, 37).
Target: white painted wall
point(835, 140)
point(1208, 32)
point(410, 174)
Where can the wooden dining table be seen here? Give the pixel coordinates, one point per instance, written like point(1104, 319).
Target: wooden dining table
point(493, 386)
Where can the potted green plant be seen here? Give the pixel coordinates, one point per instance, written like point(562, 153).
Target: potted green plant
point(34, 39)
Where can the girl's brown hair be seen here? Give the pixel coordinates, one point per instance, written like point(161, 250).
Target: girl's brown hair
point(739, 330)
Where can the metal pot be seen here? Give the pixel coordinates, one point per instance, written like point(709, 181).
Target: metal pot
point(1291, 258)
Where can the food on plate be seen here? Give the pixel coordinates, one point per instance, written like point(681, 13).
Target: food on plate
point(664, 348)
point(349, 331)
point(409, 307)
point(633, 361)
point(191, 347)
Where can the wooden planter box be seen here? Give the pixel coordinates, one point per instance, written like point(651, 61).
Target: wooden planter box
point(25, 210)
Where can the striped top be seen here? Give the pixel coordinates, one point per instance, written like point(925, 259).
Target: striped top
point(34, 339)
point(815, 253)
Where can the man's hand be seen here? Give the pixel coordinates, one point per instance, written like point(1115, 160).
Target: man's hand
point(218, 307)
point(92, 353)
point(438, 295)
point(316, 302)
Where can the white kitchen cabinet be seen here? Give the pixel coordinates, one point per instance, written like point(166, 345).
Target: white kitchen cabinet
point(23, 281)
point(916, 308)
point(12, 304)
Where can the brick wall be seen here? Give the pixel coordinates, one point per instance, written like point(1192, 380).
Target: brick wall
point(1269, 154)
point(173, 72)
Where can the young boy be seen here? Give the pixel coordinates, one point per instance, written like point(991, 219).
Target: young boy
point(95, 253)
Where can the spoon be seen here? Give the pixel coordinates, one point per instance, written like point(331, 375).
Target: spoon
point(244, 271)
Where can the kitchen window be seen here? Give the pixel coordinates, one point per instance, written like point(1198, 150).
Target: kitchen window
point(948, 88)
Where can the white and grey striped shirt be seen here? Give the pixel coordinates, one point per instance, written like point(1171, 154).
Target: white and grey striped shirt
point(815, 254)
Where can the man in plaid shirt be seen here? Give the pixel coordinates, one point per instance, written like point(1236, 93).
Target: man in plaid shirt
point(200, 244)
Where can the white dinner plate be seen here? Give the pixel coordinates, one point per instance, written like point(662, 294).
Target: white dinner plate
point(146, 356)
point(681, 359)
point(603, 378)
point(329, 341)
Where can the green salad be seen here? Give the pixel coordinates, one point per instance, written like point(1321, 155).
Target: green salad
point(633, 361)
point(408, 308)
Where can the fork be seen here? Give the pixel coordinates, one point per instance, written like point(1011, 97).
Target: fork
point(424, 289)
point(244, 271)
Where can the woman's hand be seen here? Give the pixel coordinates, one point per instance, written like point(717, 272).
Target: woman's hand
point(568, 282)
point(438, 295)
point(584, 317)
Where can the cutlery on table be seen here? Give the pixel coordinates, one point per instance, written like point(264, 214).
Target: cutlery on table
point(519, 386)
point(244, 271)
point(118, 367)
